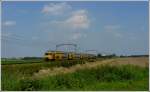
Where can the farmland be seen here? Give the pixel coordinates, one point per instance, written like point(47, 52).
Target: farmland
point(130, 73)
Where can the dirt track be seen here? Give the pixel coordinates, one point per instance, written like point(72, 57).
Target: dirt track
point(138, 61)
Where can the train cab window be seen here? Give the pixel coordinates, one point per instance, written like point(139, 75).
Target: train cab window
point(46, 53)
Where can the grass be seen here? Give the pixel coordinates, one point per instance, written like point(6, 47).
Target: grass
point(29, 61)
point(127, 77)
point(141, 85)
point(6, 62)
point(12, 73)
point(102, 78)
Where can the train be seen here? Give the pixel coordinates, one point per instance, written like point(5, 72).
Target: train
point(62, 55)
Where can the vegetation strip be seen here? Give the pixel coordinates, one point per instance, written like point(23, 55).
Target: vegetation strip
point(95, 78)
point(83, 76)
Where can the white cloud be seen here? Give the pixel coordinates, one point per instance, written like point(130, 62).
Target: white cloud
point(56, 8)
point(77, 21)
point(9, 23)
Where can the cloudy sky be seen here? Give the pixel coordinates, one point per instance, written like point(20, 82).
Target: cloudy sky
point(31, 28)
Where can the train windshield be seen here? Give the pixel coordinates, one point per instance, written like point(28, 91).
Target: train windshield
point(47, 53)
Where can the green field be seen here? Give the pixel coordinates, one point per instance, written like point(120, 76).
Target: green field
point(126, 77)
point(17, 61)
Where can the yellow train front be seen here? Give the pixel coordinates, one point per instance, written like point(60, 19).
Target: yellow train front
point(60, 55)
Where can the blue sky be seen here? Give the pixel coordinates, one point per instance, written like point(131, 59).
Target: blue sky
point(31, 28)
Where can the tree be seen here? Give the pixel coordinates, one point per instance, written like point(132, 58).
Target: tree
point(99, 55)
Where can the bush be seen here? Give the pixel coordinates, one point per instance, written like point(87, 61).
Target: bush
point(28, 84)
point(71, 63)
point(68, 82)
point(120, 73)
point(103, 74)
point(79, 80)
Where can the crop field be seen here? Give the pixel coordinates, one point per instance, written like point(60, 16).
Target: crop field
point(130, 73)
point(6, 62)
